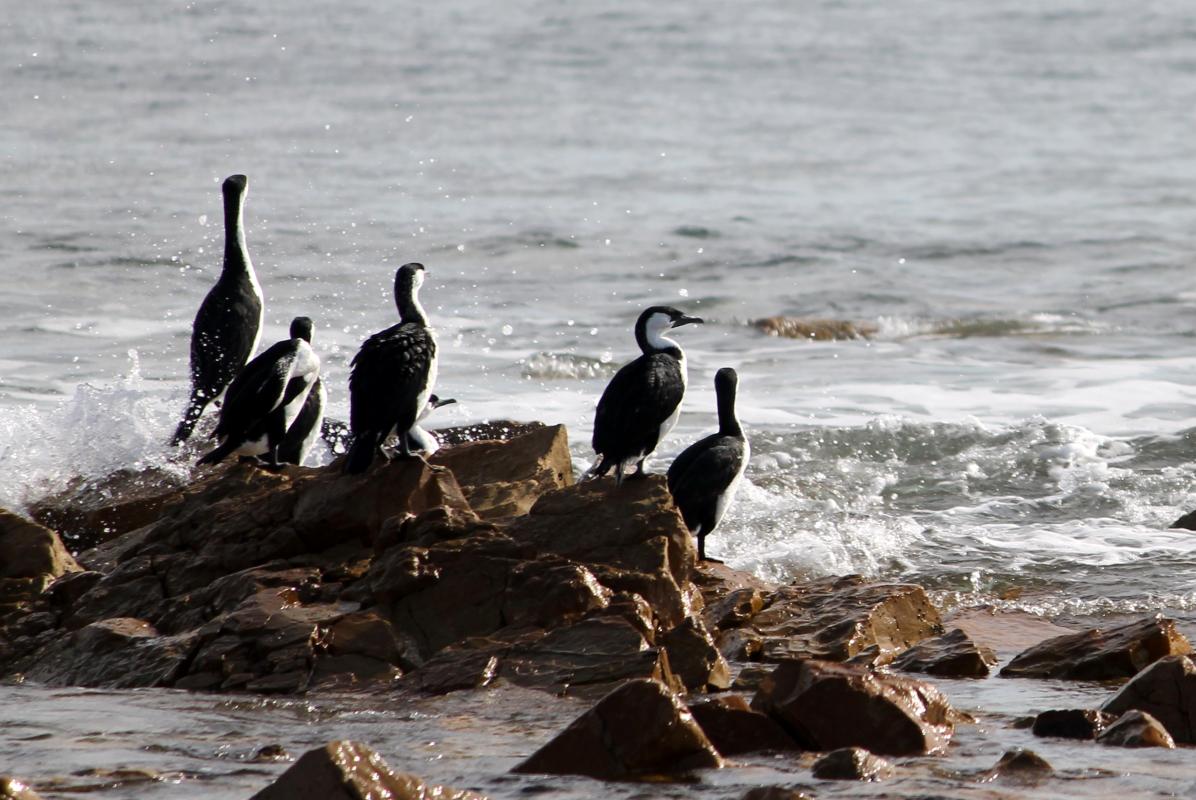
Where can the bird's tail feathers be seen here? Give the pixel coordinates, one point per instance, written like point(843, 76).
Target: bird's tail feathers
point(220, 453)
point(361, 453)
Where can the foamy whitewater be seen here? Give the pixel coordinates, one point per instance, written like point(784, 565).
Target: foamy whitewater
point(1004, 191)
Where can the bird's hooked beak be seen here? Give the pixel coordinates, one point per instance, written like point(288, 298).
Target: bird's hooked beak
point(684, 320)
point(446, 402)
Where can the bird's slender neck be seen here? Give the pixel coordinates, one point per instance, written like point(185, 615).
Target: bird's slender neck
point(652, 339)
point(410, 310)
point(728, 423)
point(236, 254)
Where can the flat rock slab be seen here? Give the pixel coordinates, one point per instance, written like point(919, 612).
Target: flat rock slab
point(827, 706)
point(640, 729)
point(1006, 633)
point(952, 655)
point(1167, 691)
point(348, 770)
point(835, 619)
point(1136, 728)
point(1101, 654)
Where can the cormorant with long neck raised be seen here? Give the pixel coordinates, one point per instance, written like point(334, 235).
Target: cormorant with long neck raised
point(704, 478)
point(392, 376)
point(229, 321)
point(264, 400)
point(643, 400)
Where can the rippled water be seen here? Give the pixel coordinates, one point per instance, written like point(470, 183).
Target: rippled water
point(1002, 190)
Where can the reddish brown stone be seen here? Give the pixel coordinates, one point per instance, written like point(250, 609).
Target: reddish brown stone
point(29, 550)
point(641, 728)
point(347, 770)
point(733, 727)
point(1019, 766)
point(1096, 654)
point(1167, 691)
point(814, 330)
point(826, 706)
point(952, 655)
point(1074, 723)
point(694, 658)
point(1136, 728)
point(851, 764)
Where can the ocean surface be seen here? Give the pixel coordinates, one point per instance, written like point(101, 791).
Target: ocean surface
point(1004, 190)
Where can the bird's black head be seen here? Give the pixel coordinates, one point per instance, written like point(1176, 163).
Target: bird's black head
point(726, 380)
point(437, 402)
point(408, 279)
point(235, 185)
point(301, 328)
point(654, 321)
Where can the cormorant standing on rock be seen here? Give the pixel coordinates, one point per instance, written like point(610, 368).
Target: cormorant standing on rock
point(393, 376)
point(229, 322)
point(307, 427)
point(264, 400)
point(643, 400)
point(703, 479)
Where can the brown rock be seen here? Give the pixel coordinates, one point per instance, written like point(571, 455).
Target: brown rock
point(28, 550)
point(852, 764)
point(740, 644)
point(835, 619)
point(90, 512)
point(454, 669)
point(818, 330)
point(15, 789)
point(118, 653)
point(733, 727)
point(694, 658)
point(774, 793)
point(1167, 691)
point(365, 633)
point(1019, 765)
point(495, 430)
point(347, 770)
point(641, 728)
point(1073, 723)
point(1006, 633)
point(826, 706)
point(1096, 654)
point(734, 609)
point(1136, 729)
point(503, 478)
point(952, 655)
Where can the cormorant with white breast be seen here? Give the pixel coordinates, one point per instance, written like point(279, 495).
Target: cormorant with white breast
point(703, 479)
point(420, 440)
point(264, 400)
point(643, 400)
point(229, 322)
point(308, 425)
point(393, 376)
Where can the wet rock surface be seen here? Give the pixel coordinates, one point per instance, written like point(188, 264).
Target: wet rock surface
point(352, 771)
point(953, 655)
point(31, 558)
point(851, 764)
point(1100, 654)
point(640, 729)
point(827, 706)
point(812, 329)
point(1167, 691)
point(1136, 729)
point(733, 727)
point(1072, 723)
point(1019, 766)
point(15, 789)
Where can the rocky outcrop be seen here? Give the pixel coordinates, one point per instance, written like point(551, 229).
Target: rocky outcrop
point(734, 728)
point(851, 764)
point(31, 557)
point(639, 729)
point(505, 478)
point(952, 655)
point(836, 619)
point(347, 770)
point(1072, 723)
point(1136, 729)
point(1167, 691)
point(1101, 654)
point(817, 330)
point(827, 706)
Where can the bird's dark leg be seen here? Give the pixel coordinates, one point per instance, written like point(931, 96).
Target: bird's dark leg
point(618, 473)
point(639, 473)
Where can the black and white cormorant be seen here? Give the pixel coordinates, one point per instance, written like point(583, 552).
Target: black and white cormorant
point(392, 377)
point(229, 322)
point(703, 479)
point(263, 401)
point(420, 440)
point(643, 400)
point(308, 425)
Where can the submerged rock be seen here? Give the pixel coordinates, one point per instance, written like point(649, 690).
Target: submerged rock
point(640, 729)
point(851, 764)
point(827, 706)
point(835, 619)
point(31, 557)
point(1100, 654)
point(819, 330)
point(1136, 729)
point(774, 793)
point(1019, 765)
point(1167, 691)
point(1073, 723)
point(347, 770)
point(15, 789)
point(952, 655)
